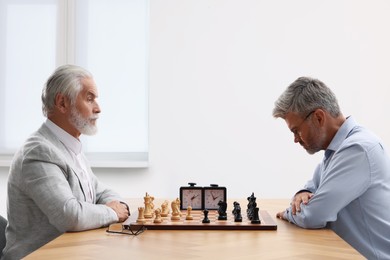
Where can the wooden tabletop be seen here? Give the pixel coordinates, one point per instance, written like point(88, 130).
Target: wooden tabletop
point(287, 242)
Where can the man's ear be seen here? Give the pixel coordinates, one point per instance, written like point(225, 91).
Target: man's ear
point(320, 116)
point(62, 103)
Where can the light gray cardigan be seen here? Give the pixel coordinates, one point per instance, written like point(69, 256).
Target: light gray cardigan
point(46, 197)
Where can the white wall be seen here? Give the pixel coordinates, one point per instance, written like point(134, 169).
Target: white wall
point(217, 66)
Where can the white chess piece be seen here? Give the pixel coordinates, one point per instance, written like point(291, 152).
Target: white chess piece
point(158, 216)
point(189, 216)
point(141, 218)
point(164, 209)
point(175, 209)
point(148, 201)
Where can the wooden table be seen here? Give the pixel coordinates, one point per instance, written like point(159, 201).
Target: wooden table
point(287, 242)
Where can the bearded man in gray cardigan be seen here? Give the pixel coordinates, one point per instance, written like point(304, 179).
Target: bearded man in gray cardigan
point(51, 187)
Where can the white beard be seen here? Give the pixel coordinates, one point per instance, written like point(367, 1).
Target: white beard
point(83, 125)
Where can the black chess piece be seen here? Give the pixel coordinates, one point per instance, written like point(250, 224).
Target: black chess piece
point(256, 219)
point(251, 206)
point(235, 205)
point(237, 212)
point(222, 210)
point(206, 218)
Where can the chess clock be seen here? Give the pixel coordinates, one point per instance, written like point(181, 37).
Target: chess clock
point(191, 196)
point(212, 195)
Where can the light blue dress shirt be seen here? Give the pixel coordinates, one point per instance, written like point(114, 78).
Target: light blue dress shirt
point(351, 188)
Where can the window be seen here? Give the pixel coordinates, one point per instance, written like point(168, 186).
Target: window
point(107, 37)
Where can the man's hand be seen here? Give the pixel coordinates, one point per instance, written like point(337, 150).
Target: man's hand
point(120, 209)
point(302, 197)
point(281, 215)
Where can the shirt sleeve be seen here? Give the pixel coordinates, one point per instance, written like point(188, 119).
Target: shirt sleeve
point(344, 179)
point(104, 194)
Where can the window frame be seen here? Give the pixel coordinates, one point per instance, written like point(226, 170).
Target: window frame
point(65, 54)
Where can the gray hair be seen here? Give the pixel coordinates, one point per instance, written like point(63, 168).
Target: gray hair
point(66, 79)
point(305, 95)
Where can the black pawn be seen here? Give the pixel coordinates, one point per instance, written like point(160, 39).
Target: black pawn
point(256, 219)
point(206, 218)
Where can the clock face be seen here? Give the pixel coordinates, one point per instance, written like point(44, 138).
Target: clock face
point(191, 197)
point(213, 196)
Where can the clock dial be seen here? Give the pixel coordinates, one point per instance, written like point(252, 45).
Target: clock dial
point(193, 198)
point(213, 195)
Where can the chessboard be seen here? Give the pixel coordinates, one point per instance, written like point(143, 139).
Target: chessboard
point(267, 222)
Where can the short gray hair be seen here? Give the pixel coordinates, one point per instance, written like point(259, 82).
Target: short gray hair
point(66, 79)
point(305, 95)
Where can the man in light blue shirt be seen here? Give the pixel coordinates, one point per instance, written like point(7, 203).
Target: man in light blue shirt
point(350, 188)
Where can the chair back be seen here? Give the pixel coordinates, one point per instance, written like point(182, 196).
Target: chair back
point(3, 225)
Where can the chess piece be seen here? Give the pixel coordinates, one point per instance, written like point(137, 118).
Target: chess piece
point(164, 209)
point(238, 216)
point(157, 213)
point(148, 201)
point(251, 206)
point(256, 219)
point(206, 218)
point(141, 218)
point(235, 204)
point(237, 212)
point(222, 210)
point(175, 209)
point(188, 216)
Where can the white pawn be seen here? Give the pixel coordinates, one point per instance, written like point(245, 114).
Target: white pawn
point(158, 219)
point(189, 217)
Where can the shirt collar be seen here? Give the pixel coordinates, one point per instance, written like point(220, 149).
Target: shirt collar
point(340, 136)
point(72, 143)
